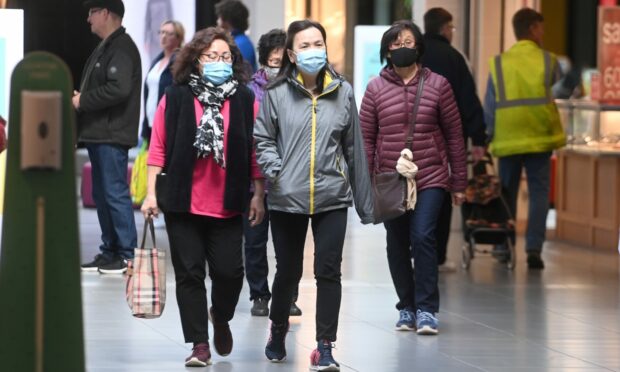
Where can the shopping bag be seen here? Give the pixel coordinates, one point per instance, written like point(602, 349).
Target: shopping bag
point(137, 186)
point(146, 278)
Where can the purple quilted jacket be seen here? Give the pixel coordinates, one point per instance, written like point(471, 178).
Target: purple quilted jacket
point(438, 145)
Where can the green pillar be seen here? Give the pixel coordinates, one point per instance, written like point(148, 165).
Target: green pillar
point(41, 310)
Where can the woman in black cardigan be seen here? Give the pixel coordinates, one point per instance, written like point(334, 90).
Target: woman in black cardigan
point(201, 157)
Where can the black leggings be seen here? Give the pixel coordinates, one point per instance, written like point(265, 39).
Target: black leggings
point(289, 237)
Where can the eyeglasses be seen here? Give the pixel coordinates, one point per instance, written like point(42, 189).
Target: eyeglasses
point(274, 62)
point(214, 57)
point(166, 33)
point(94, 10)
point(406, 43)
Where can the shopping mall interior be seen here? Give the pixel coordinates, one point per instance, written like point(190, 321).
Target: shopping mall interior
point(493, 317)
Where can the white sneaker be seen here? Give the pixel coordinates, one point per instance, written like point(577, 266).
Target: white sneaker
point(447, 267)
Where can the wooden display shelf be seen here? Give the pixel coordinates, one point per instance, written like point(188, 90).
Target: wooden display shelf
point(588, 198)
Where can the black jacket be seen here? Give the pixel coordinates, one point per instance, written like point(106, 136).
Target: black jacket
point(165, 80)
point(181, 127)
point(110, 93)
point(440, 57)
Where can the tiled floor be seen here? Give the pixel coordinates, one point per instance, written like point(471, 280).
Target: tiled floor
point(565, 318)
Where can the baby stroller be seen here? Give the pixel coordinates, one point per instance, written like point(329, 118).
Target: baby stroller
point(486, 216)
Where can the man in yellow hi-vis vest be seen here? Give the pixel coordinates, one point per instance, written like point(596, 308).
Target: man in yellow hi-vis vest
point(523, 123)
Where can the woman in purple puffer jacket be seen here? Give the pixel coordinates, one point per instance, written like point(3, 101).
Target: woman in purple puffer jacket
point(439, 153)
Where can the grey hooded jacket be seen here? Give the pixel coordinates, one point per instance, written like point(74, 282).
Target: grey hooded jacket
point(312, 150)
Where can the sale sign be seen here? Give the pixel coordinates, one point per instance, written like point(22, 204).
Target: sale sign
point(609, 53)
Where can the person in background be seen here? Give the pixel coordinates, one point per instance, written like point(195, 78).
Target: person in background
point(443, 59)
point(524, 124)
point(233, 16)
point(108, 114)
point(202, 152)
point(171, 36)
point(309, 146)
point(270, 51)
point(437, 149)
point(157, 11)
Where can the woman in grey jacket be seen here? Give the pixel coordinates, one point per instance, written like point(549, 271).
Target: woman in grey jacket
point(309, 145)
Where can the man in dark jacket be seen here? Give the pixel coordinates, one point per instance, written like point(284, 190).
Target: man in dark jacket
point(108, 106)
point(445, 60)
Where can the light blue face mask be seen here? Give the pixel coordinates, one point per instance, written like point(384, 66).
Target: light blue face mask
point(271, 72)
point(217, 72)
point(311, 61)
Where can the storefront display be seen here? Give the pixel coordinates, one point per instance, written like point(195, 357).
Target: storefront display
point(591, 126)
point(588, 174)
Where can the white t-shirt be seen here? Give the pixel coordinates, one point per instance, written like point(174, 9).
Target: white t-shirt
point(152, 82)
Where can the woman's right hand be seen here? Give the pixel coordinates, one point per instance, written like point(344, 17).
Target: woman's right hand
point(149, 207)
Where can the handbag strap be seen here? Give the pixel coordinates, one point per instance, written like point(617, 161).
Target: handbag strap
point(148, 225)
point(416, 104)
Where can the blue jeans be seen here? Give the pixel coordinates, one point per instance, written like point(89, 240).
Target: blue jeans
point(111, 195)
point(255, 250)
point(412, 235)
point(537, 168)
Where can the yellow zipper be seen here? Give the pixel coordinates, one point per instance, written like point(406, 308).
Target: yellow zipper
point(312, 155)
point(339, 168)
point(313, 144)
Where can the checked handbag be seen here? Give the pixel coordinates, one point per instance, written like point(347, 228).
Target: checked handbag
point(146, 278)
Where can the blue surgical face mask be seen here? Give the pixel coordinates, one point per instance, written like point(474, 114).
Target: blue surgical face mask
point(311, 61)
point(217, 72)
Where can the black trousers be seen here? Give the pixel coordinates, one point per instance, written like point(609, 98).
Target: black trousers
point(195, 240)
point(442, 233)
point(289, 237)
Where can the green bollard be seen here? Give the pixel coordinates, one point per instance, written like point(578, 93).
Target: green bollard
point(40, 292)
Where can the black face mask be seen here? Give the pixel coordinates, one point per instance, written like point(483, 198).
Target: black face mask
point(403, 57)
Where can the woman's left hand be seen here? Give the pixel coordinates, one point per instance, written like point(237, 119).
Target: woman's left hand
point(458, 198)
point(257, 210)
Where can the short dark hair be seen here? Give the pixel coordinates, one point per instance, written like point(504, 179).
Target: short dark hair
point(435, 19)
point(186, 62)
point(234, 12)
point(272, 40)
point(391, 35)
point(523, 20)
point(287, 66)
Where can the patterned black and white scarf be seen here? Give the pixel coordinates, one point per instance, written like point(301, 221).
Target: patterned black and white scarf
point(210, 133)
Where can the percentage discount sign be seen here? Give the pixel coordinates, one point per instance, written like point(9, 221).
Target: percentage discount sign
point(609, 54)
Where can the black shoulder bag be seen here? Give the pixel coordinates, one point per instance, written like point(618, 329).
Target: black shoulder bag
point(390, 188)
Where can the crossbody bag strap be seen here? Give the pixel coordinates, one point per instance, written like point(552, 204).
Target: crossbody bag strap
point(416, 105)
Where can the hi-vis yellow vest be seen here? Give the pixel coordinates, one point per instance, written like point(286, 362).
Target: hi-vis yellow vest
point(526, 118)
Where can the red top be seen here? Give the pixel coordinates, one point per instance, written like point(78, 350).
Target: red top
point(209, 179)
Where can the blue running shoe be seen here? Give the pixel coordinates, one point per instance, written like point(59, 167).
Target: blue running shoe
point(406, 321)
point(275, 350)
point(321, 358)
point(426, 323)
